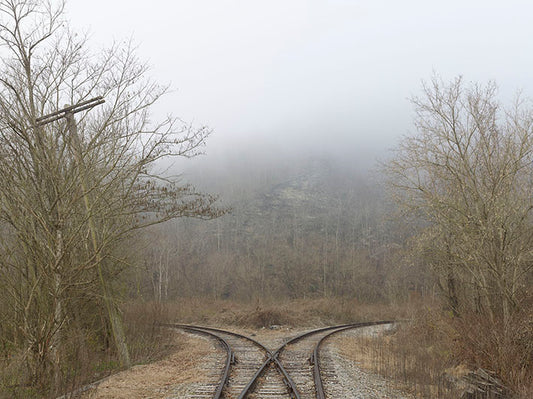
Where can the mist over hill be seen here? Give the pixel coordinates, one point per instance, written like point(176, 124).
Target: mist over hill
point(302, 227)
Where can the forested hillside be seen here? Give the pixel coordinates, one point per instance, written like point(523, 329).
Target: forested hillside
point(306, 228)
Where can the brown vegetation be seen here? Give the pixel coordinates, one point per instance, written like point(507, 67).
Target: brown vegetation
point(465, 180)
point(433, 352)
point(162, 378)
point(293, 313)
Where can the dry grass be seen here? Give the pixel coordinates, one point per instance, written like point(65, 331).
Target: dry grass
point(161, 378)
point(83, 359)
point(147, 341)
point(418, 355)
point(505, 350)
point(425, 354)
point(430, 353)
point(86, 356)
point(14, 377)
point(295, 313)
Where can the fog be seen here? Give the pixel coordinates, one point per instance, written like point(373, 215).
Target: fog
point(332, 78)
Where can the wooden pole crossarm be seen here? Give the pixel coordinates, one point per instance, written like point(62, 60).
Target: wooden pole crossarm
point(72, 109)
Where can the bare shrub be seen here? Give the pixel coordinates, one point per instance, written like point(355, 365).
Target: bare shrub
point(302, 312)
point(147, 340)
point(433, 352)
point(14, 377)
point(417, 354)
point(499, 348)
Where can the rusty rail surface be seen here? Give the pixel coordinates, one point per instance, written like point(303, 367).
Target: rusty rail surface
point(260, 371)
point(293, 390)
point(272, 358)
point(289, 383)
point(230, 356)
point(299, 337)
point(315, 358)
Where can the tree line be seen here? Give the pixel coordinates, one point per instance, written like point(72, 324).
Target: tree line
point(309, 229)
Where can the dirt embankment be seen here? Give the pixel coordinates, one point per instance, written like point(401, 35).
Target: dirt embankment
point(158, 379)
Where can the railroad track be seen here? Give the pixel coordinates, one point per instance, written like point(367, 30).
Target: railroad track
point(253, 371)
point(247, 371)
point(318, 372)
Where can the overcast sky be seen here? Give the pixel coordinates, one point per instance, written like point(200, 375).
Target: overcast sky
point(322, 74)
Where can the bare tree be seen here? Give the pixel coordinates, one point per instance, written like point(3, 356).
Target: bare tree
point(72, 191)
point(467, 173)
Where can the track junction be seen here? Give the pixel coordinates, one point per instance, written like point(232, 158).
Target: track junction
point(251, 370)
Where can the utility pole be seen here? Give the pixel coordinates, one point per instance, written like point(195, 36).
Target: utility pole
point(69, 109)
point(77, 148)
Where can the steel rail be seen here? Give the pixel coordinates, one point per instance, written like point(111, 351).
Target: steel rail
point(291, 386)
point(287, 378)
point(230, 356)
point(304, 335)
point(251, 383)
point(273, 357)
point(289, 383)
point(257, 343)
point(293, 390)
point(315, 358)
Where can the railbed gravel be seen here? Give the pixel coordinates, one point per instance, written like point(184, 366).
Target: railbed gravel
point(345, 379)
